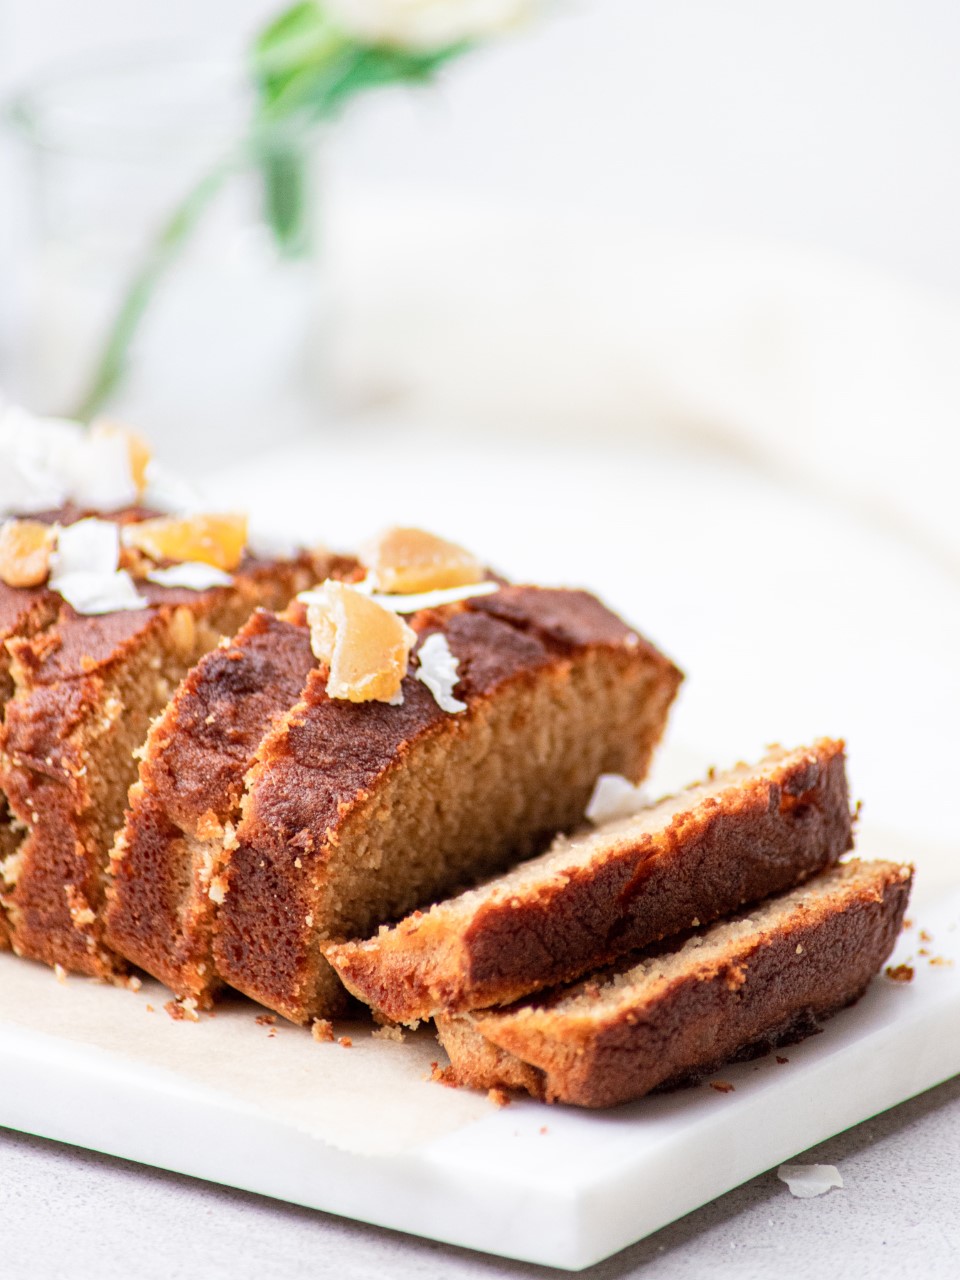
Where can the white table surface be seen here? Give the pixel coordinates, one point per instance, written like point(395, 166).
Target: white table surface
point(72, 1214)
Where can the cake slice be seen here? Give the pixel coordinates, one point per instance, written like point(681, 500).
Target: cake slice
point(86, 689)
point(356, 812)
point(23, 613)
point(735, 838)
point(672, 1016)
point(183, 809)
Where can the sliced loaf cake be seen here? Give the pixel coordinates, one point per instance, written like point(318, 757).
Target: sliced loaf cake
point(356, 812)
point(677, 1013)
point(736, 838)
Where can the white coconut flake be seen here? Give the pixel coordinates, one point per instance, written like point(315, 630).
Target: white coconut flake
point(193, 575)
point(96, 593)
point(438, 671)
point(88, 546)
point(808, 1180)
point(167, 491)
point(45, 462)
point(433, 599)
point(614, 797)
point(267, 544)
point(98, 474)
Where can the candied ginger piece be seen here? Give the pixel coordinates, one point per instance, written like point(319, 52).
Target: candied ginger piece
point(366, 647)
point(25, 550)
point(214, 540)
point(404, 561)
point(138, 451)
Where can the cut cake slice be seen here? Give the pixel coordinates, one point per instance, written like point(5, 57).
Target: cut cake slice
point(730, 991)
point(184, 807)
point(736, 838)
point(86, 690)
point(355, 813)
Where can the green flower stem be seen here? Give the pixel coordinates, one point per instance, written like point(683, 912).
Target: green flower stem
point(112, 362)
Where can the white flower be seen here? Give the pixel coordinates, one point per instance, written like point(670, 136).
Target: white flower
point(426, 24)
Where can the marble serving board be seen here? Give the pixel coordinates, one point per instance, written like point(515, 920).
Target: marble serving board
point(361, 1131)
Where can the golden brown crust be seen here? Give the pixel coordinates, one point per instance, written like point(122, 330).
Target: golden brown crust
point(596, 899)
point(87, 688)
point(325, 778)
point(773, 982)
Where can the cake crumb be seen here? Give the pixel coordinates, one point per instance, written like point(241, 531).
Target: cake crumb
point(899, 972)
point(345, 1042)
point(389, 1032)
point(499, 1097)
point(150, 1008)
point(133, 983)
point(183, 1010)
point(907, 924)
point(544, 1129)
point(322, 1030)
point(782, 1060)
point(924, 936)
point(60, 973)
point(266, 1019)
point(941, 960)
point(721, 1086)
point(442, 1075)
point(271, 1033)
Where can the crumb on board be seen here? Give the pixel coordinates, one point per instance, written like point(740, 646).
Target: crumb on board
point(721, 1086)
point(266, 1019)
point(924, 936)
point(150, 1008)
point(923, 951)
point(60, 973)
point(322, 1030)
point(781, 1059)
point(345, 1042)
point(271, 1033)
point(941, 960)
point(544, 1129)
point(183, 1010)
point(133, 983)
point(499, 1097)
point(899, 972)
point(388, 1032)
point(907, 924)
point(442, 1075)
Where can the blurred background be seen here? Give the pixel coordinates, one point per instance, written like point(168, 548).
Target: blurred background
point(663, 298)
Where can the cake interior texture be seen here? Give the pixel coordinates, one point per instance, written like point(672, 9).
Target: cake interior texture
point(738, 837)
point(679, 1012)
point(356, 813)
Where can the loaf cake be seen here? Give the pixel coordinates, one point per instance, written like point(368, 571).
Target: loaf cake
point(736, 838)
point(678, 1012)
point(105, 612)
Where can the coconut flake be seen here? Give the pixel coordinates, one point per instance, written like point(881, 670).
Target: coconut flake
point(614, 797)
point(437, 669)
point(83, 569)
point(808, 1180)
point(96, 593)
point(425, 599)
point(167, 492)
point(193, 575)
point(88, 546)
point(45, 462)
